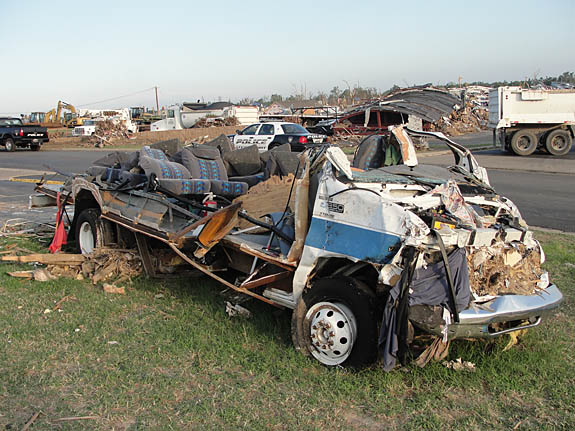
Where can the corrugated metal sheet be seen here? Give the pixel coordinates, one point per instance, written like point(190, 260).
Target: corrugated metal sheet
point(430, 104)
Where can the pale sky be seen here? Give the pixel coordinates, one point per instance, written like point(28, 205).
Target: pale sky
point(90, 51)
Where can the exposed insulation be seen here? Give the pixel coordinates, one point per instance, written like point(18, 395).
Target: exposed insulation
point(503, 269)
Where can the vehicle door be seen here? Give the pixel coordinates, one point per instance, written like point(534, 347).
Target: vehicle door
point(246, 138)
point(170, 120)
point(264, 137)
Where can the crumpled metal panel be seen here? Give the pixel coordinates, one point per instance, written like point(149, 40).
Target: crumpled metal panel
point(429, 104)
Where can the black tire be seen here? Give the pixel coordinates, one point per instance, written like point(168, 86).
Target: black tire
point(523, 143)
point(273, 145)
point(358, 299)
point(89, 224)
point(558, 142)
point(10, 145)
point(35, 147)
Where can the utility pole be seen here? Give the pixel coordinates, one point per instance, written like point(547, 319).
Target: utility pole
point(157, 104)
point(459, 80)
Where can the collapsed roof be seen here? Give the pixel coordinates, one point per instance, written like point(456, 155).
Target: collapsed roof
point(429, 104)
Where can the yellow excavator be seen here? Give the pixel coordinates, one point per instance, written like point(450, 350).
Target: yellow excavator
point(57, 117)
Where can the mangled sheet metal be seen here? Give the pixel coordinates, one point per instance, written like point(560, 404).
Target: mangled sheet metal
point(438, 250)
point(429, 104)
point(468, 249)
point(417, 107)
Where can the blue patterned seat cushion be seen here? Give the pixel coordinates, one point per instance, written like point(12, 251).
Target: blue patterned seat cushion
point(206, 163)
point(186, 187)
point(164, 169)
point(152, 153)
point(230, 189)
point(211, 170)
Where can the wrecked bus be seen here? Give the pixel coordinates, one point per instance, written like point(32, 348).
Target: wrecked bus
point(367, 254)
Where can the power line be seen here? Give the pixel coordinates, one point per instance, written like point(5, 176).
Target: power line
point(116, 98)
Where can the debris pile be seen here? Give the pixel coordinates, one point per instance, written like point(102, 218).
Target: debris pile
point(107, 130)
point(466, 120)
point(216, 122)
point(19, 227)
point(471, 117)
point(501, 269)
point(104, 264)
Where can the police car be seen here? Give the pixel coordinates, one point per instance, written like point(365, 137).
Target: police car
point(274, 133)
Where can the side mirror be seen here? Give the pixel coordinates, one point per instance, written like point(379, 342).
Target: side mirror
point(238, 132)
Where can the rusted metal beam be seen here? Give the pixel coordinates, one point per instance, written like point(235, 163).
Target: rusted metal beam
point(221, 280)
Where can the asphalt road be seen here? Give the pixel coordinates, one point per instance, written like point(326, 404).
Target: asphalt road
point(545, 200)
point(542, 186)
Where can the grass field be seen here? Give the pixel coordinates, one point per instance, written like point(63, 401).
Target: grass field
point(166, 356)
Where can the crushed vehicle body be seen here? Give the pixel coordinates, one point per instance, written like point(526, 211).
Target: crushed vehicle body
point(367, 254)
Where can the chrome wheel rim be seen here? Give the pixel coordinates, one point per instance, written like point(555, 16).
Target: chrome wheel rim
point(332, 332)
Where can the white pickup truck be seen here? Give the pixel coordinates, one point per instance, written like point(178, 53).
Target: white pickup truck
point(88, 128)
point(524, 120)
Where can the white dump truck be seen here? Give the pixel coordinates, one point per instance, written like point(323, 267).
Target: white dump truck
point(524, 120)
point(178, 117)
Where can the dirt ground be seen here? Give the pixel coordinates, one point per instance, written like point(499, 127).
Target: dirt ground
point(61, 138)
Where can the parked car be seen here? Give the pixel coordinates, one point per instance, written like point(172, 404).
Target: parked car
point(13, 133)
point(275, 133)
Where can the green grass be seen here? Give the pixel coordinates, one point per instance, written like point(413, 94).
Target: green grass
point(177, 361)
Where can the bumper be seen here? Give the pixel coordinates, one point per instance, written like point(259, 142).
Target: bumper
point(510, 310)
point(30, 142)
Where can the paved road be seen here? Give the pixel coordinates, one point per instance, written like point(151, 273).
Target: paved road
point(545, 200)
point(542, 186)
point(67, 161)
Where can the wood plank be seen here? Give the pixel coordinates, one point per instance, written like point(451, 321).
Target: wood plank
point(268, 279)
point(49, 259)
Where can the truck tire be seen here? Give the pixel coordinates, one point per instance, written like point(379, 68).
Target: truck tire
point(336, 323)
point(92, 232)
point(9, 144)
point(558, 142)
point(523, 143)
point(35, 147)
